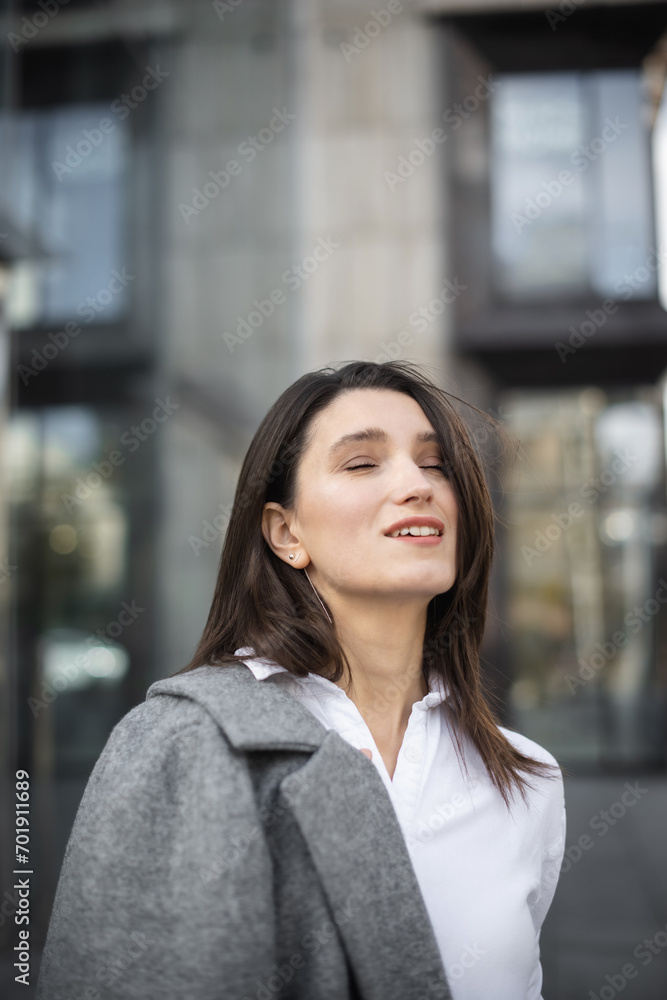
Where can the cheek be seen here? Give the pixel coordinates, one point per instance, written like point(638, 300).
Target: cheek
point(331, 515)
point(450, 504)
point(340, 521)
point(454, 516)
point(451, 510)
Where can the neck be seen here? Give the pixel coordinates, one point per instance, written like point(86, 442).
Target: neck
point(384, 645)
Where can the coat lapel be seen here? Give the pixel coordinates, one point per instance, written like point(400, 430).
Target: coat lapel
point(253, 715)
point(352, 832)
point(349, 824)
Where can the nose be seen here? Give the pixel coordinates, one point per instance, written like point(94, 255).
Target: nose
point(417, 484)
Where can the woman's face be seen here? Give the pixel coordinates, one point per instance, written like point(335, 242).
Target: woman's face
point(351, 492)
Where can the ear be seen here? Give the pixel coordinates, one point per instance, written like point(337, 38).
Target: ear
point(276, 528)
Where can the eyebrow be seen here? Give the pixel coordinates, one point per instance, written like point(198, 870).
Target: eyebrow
point(377, 434)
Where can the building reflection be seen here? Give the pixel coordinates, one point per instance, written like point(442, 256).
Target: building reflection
point(586, 529)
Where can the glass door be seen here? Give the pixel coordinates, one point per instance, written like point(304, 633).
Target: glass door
point(583, 558)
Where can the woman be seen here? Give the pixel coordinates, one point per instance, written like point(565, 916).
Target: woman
point(321, 805)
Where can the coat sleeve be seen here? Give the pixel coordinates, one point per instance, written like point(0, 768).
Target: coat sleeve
point(166, 886)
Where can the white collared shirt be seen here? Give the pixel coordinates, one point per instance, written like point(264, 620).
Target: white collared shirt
point(487, 875)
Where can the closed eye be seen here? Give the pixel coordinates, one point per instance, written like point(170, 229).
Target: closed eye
point(371, 466)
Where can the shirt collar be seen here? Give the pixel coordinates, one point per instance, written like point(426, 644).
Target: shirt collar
point(263, 667)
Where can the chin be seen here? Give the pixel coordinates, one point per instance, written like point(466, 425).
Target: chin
point(420, 585)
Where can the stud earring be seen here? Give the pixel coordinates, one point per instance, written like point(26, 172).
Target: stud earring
point(291, 555)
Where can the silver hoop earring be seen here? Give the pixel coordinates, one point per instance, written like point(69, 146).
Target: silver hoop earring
point(318, 596)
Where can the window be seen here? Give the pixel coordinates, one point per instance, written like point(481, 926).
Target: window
point(571, 202)
point(65, 185)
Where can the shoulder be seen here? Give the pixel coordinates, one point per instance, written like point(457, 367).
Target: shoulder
point(166, 768)
point(180, 703)
point(545, 793)
point(528, 747)
point(200, 726)
point(160, 738)
point(158, 721)
point(168, 796)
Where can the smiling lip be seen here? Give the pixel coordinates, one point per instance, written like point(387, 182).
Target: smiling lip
point(419, 539)
point(419, 522)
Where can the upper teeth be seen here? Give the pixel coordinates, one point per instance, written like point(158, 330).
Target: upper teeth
point(415, 530)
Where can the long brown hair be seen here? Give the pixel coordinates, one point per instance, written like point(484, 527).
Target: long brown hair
point(260, 601)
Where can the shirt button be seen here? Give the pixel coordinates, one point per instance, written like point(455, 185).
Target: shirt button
point(413, 754)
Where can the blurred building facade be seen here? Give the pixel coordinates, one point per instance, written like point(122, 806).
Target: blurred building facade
point(200, 201)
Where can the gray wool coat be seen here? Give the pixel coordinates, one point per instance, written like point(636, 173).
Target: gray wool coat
point(229, 847)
